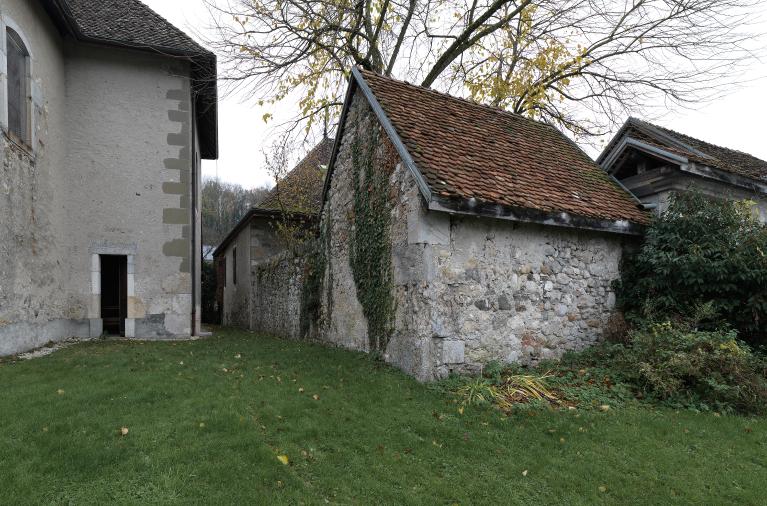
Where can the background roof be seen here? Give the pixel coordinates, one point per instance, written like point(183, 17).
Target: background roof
point(301, 189)
point(729, 160)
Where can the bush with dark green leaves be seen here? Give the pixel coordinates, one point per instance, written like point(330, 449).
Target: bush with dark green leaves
point(696, 368)
point(701, 250)
point(679, 365)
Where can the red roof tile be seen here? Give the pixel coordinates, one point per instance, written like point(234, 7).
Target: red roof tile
point(465, 150)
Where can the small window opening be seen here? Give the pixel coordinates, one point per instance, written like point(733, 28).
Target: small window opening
point(234, 265)
point(18, 87)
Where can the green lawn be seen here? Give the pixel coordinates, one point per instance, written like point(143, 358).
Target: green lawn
point(208, 419)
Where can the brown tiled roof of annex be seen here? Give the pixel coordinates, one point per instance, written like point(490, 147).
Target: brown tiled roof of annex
point(466, 150)
point(301, 189)
point(729, 160)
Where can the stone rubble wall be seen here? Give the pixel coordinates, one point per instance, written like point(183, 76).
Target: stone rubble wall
point(276, 295)
point(343, 320)
point(467, 290)
point(500, 291)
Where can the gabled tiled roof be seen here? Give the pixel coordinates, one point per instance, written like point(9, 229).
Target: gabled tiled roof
point(469, 151)
point(696, 150)
point(300, 190)
point(129, 22)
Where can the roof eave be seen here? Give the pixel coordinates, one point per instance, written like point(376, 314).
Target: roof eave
point(470, 207)
point(257, 212)
point(625, 142)
point(730, 178)
point(684, 164)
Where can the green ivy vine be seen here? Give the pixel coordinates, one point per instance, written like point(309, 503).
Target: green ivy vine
point(370, 247)
point(315, 267)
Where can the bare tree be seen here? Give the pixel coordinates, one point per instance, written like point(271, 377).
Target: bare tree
point(580, 64)
point(297, 190)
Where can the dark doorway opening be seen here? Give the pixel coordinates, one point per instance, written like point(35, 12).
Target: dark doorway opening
point(114, 293)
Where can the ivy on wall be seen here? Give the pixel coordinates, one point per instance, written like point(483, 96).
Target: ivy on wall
point(370, 245)
point(313, 279)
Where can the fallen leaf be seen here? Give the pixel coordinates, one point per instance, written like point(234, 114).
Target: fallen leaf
point(460, 410)
point(124, 431)
point(283, 459)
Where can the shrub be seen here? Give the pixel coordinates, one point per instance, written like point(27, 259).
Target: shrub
point(687, 367)
point(701, 250)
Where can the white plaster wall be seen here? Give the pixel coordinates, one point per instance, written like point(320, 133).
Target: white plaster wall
point(119, 129)
point(110, 171)
point(35, 305)
point(237, 297)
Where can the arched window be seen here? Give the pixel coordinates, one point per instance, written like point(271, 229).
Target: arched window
point(18, 87)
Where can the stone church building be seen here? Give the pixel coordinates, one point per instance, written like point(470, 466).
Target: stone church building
point(106, 110)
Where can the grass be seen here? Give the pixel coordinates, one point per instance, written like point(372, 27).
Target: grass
point(208, 419)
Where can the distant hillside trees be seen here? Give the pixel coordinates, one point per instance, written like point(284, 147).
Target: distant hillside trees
point(223, 205)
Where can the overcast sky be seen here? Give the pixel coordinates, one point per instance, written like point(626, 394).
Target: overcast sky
point(737, 121)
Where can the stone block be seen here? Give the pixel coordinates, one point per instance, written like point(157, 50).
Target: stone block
point(453, 352)
point(504, 304)
point(130, 327)
point(96, 327)
point(482, 304)
point(425, 227)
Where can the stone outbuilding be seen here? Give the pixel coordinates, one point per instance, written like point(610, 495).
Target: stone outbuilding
point(106, 110)
point(451, 235)
point(262, 237)
point(455, 234)
point(654, 162)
